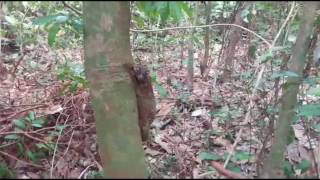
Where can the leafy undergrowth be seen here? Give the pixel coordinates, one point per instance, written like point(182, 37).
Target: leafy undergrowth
point(47, 125)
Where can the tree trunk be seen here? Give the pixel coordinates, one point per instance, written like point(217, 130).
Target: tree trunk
point(234, 38)
point(107, 48)
point(191, 52)
point(273, 166)
point(204, 62)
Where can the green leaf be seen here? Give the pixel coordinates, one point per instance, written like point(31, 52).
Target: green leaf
point(44, 20)
point(73, 87)
point(266, 56)
point(5, 172)
point(234, 168)
point(242, 156)
point(209, 156)
point(53, 33)
point(153, 75)
point(30, 155)
point(161, 90)
point(32, 115)
point(284, 74)
point(20, 123)
point(288, 170)
point(316, 128)
point(309, 110)
point(11, 20)
point(61, 19)
point(315, 91)
point(304, 165)
point(252, 51)
point(38, 123)
point(12, 137)
point(184, 6)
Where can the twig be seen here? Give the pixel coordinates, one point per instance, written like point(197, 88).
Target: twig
point(246, 120)
point(36, 131)
point(34, 138)
point(204, 26)
point(24, 110)
point(55, 149)
point(71, 8)
point(85, 170)
point(21, 161)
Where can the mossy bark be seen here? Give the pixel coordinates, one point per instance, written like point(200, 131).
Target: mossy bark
point(107, 48)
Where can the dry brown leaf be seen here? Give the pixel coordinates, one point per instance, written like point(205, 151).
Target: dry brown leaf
point(165, 109)
point(159, 140)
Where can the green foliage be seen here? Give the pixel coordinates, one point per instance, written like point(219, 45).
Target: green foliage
point(304, 165)
point(242, 156)
point(288, 169)
point(74, 73)
point(309, 110)
point(315, 91)
point(5, 172)
point(163, 10)
point(209, 156)
point(170, 162)
point(284, 74)
point(95, 175)
point(29, 122)
point(65, 21)
point(161, 90)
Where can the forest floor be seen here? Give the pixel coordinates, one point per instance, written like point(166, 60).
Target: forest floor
point(189, 128)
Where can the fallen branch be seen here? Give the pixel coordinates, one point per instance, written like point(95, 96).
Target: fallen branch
point(21, 161)
point(225, 172)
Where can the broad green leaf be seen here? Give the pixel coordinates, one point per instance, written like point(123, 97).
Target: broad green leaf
point(284, 74)
point(234, 168)
point(12, 137)
point(315, 91)
point(11, 20)
point(5, 172)
point(184, 6)
point(241, 156)
point(288, 170)
point(44, 20)
point(309, 110)
point(161, 90)
point(164, 11)
point(61, 19)
point(153, 77)
point(209, 156)
point(37, 125)
point(38, 121)
point(30, 155)
point(316, 128)
point(52, 34)
point(32, 115)
point(304, 165)
point(20, 123)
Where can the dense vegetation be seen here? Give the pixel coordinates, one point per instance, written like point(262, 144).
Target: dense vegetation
point(235, 84)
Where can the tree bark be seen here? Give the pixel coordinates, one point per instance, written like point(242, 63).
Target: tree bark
point(273, 166)
point(107, 49)
point(234, 38)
